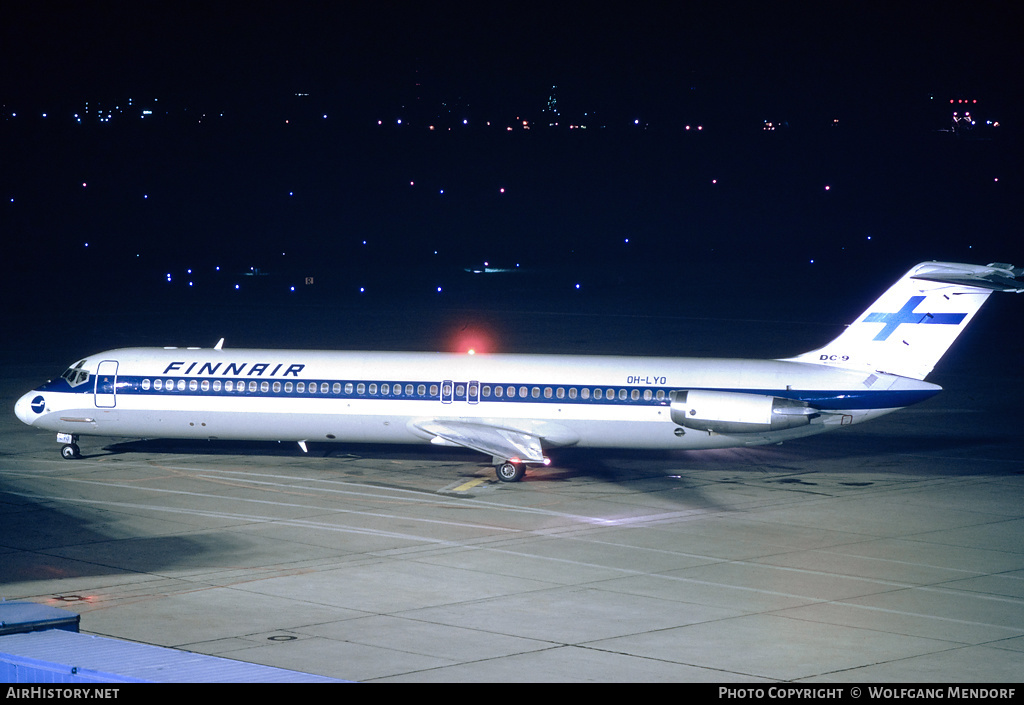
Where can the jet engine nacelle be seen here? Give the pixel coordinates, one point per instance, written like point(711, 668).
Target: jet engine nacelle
point(737, 412)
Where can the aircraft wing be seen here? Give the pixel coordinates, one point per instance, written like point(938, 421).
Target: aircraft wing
point(496, 441)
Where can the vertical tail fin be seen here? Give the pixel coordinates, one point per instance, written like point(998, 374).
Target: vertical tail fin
point(909, 328)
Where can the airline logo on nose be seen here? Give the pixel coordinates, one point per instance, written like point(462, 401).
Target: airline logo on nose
point(907, 315)
point(38, 404)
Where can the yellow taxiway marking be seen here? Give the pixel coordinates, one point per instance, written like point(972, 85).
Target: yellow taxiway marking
point(468, 485)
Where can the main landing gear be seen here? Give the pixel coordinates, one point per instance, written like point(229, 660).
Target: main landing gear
point(510, 472)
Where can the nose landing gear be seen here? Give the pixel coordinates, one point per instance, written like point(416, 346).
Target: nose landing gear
point(70, 450)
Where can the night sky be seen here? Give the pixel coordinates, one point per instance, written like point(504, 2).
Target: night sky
point(807, 142)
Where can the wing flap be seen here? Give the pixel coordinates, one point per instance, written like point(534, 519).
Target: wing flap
point(504, 443)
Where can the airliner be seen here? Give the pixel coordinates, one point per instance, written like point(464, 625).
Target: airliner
point(514, 408)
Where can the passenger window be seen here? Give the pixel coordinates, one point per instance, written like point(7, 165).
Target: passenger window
point(373, 389)
point(622, 395)
point(264, 386)
point(181, 385)
point(547, 392)
point(145, 385)
point(205, 386)
point(422, 390)
point(252, 385)
point(498, 391)
point(661, 395)
point(560, 393)
point(361, 389)
point(598, 393)
point(193, 385)
point(324, 387)
point(460, 390)
point(277, 387)
point(522, 392)
point(287, 387)
point(336, 388)
point(216, 385)
point(647, 395)
point(585, 393)
point(433, 390)
point(485, 391)
point(300, 387)
point(229, 386)
point(408, 390)
point(572, 392)
point(385, 389)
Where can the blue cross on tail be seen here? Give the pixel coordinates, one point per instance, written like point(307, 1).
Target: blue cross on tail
point(907, 315)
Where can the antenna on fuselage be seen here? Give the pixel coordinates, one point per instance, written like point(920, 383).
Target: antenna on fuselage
point(219, 345)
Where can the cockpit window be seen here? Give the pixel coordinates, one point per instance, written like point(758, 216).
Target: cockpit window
point(75, 375)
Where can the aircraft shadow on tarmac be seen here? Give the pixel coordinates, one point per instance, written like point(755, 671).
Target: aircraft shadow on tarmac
point(850, 452)
point(53, 540)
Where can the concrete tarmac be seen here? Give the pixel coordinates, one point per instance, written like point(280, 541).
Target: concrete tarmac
point(888, 552)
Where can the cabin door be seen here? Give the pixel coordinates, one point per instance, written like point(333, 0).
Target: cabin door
point(106, 383)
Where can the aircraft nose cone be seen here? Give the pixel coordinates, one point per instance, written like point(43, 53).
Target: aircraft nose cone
point(29, 407)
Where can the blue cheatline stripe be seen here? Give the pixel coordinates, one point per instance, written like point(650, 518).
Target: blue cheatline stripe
point(829, 400)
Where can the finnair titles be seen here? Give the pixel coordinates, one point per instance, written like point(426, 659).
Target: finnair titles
point(515, 407)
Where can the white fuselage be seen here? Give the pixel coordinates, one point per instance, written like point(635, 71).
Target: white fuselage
point(394, 397)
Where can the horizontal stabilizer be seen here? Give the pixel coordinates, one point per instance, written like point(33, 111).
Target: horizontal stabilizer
point(996, 276)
